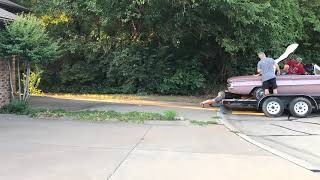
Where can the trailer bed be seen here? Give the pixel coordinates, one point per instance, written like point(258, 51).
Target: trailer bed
point(240, 103)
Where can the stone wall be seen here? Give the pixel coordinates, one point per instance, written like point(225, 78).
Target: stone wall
point(4, 85)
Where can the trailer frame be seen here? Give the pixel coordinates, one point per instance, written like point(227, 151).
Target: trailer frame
point(298, 105)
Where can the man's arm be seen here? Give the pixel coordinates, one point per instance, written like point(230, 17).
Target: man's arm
point(259, 70)
point(278, 69)
point(276, 65)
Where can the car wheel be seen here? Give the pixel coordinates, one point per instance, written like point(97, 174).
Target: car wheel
point(258, 93)
point(300, 107)
point(273, 107)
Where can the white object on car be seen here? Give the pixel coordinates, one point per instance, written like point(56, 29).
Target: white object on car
point(290, 49)
point(316, 69)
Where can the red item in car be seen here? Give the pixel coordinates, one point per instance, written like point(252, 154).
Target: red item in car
point(295, 67)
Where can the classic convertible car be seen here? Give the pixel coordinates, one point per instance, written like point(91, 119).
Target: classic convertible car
point(300, 94)
point(287, 84)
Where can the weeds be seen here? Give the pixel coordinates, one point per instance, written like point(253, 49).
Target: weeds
point(203, 123)
point(100, 115)
point(169, 114)
point(22, 108)
point(16, 107)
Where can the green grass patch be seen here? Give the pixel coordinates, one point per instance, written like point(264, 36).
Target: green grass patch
point(169, 114)
point(16, 107)
point(203, 123)
point(22, 108)
point(101, 115)
point(215, 117)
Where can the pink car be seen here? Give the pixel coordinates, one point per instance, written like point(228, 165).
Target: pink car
point(287, 84)
point(300, 94)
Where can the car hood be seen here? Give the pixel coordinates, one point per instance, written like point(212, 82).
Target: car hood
point(285, 77)
point(244, 78)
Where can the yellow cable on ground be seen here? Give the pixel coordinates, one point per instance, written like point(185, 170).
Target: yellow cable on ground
point(254, 113)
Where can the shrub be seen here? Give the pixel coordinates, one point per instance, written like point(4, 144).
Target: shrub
point(34, 82)
point(16, 107)
point(183, 83)
point(169, 114)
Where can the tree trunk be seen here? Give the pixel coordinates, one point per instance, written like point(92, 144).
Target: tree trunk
point(26, 86)
point(19, 79)
point(10, 79)
point(13, 75)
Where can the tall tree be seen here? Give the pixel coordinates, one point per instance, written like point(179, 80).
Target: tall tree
point(27, 39)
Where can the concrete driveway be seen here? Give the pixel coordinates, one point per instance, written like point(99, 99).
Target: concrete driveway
point(42, 149)
point(297, 140)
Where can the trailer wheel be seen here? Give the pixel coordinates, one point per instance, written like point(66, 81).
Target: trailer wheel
point(300, 107)
point(273, 107)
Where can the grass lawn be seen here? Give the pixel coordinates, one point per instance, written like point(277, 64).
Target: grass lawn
point(23, 108)
point(103, 115)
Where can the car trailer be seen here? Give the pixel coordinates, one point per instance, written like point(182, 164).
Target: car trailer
point(298, 105)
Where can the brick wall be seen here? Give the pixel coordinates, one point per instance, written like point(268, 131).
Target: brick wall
point(4, 85)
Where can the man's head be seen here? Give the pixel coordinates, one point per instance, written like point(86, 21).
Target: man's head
point(262, 55)
point(221, 94)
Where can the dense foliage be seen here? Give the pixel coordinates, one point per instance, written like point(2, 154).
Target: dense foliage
point(169, 46)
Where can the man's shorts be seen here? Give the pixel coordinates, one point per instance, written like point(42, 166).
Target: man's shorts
point(270, 84)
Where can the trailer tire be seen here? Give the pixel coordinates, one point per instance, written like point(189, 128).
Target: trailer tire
point(300, 107)
point(273, 107)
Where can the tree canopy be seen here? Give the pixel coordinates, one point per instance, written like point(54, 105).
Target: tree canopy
point(27, 39)
point(169, 46)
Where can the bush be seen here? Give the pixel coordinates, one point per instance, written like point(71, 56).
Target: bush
point(183, 83)
point(16, 107)
point(127, 70)
point(169, 114)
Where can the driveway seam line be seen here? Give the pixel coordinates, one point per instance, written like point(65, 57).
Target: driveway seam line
point(292, 129)
point(292, 148)
point(282, 135)
point(283, 155)
point(306, 122)
point(129, 153)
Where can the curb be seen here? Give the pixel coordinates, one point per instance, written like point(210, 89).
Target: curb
point(283, 155)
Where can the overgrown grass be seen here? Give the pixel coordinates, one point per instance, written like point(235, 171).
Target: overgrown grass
point(203, 123)
point(101, 115)
point(170, 114)
point(16, 107)
point(22, 108)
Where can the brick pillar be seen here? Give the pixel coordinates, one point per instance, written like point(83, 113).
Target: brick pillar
point(4, 85)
